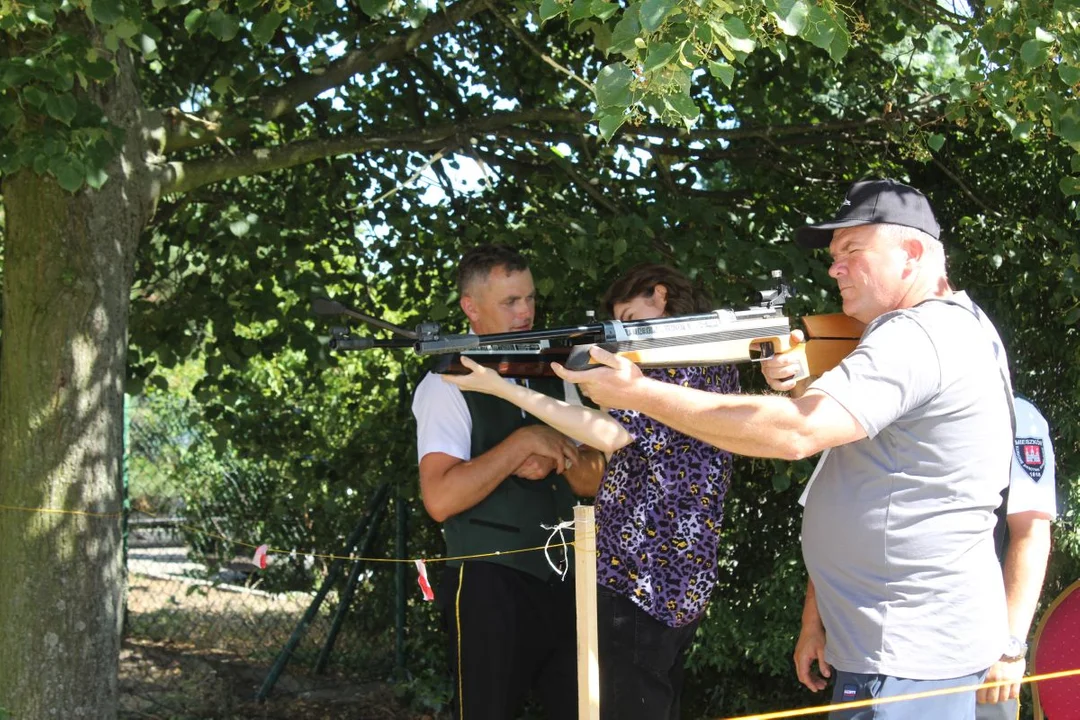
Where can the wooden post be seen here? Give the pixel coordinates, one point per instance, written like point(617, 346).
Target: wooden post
point(585, 584)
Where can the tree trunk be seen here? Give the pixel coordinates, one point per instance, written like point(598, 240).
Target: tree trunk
point(68, 263)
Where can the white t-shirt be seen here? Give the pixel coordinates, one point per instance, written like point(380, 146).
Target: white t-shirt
point(443, 422)
point(1031, 483)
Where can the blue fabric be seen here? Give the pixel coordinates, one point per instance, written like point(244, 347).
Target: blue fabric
point(851, 687)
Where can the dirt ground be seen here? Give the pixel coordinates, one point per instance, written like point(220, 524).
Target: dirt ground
point(203, 651)
point(162, 681)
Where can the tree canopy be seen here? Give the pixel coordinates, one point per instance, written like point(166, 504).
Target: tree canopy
point(180, 178)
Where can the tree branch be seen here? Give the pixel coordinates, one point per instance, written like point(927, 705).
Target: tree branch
point(527, 42)
point(283, 100)
point(186, 176)
point(964, 188)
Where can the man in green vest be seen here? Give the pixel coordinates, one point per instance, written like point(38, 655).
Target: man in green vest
point(494, 476)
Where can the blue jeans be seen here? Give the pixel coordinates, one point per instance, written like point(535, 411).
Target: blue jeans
point(850, 687)
point(1008, 710)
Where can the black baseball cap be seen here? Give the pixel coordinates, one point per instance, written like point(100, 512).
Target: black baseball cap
point(873, 202)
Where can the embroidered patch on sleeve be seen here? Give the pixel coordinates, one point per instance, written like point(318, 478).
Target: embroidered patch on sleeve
point(1029, 453)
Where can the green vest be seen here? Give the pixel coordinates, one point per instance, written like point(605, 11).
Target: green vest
point(510, 518)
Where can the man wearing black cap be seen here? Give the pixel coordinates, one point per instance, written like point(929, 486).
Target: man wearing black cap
point(905, 594)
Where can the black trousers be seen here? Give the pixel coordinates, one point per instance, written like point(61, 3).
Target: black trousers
point(517, 633)
point(641, 660)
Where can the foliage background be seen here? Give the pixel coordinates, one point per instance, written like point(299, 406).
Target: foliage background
point(730, 124)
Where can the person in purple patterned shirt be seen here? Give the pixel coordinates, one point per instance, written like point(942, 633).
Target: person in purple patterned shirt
point(658, 511)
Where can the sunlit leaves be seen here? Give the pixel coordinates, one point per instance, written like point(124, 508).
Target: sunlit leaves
point(790, 15)
point(653, 13)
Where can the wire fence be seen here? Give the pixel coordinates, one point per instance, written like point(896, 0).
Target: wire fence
point(207, 631)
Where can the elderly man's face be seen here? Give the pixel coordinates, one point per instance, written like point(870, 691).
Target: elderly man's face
point(869, 268)
point(504, 302)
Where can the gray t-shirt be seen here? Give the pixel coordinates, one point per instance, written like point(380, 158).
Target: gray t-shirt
point(898, 528)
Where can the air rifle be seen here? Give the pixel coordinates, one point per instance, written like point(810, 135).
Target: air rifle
point(713, 338)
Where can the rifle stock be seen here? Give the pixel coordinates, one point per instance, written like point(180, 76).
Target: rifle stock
point(829, 339)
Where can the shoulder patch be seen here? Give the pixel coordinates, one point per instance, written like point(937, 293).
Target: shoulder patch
point(1029, 453)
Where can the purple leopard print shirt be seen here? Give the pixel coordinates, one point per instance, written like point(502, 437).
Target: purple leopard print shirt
point(659, 508)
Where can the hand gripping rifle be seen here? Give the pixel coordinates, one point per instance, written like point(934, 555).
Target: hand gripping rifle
point(713, 338)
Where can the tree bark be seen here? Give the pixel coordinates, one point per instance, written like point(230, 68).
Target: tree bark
point(68, 266)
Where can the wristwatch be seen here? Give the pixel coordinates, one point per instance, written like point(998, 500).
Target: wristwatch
point(1015, 649)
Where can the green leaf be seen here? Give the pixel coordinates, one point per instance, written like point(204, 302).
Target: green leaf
point(549, 9)
point(69, 172)
point(1022, 129)
point(1044, 37)
point(222, 25)
point(659, 55)
point(1034, 53)
point(603, 9)
point(685, 107)
point(222, 85)
point(1069, 74)
point(112, 41)
point(34, 95)
point(654, 12)
point(193, 20)
point(935, 141)
point(790, 16)
point(738, 36)
point(820, 29)
point(239, 227)
point(1069, 129)
point(106, 12)
point(781, 482)
point(618, 248)
point(612, 86)
point(609, 123)
point(9, 113)
point(1070, 185)
point(96, 177)
point(42, 14)
point(374, 8)
point(580, 10)
point(626, 32)
point(61, 107)
point(125, 28)
point(100, 70)
point(722, 71)
point(264, 29)
point(838, 48)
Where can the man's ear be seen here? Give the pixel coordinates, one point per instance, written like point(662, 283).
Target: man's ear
point(468, 306)
point(914, 248)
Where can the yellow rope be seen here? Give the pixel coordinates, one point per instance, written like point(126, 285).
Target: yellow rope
point(821, 709)
point(457, 616)
point(278, 551)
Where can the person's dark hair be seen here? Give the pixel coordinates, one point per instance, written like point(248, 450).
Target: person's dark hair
point(682, 297)
point(477, 263)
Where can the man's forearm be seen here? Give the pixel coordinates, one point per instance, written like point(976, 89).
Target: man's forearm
point(754, 425)
point(811, 617)
point(1025, 568)
point(468, 482)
